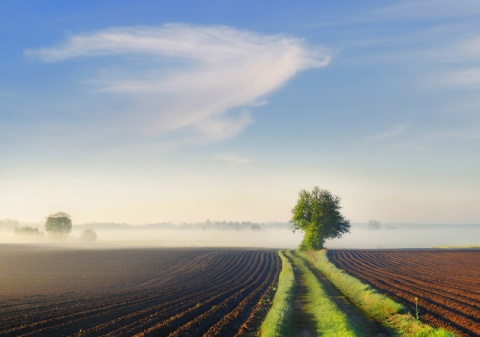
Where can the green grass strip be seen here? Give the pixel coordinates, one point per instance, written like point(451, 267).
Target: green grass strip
point(278, 321)
point(330, 320)
point(375, 305)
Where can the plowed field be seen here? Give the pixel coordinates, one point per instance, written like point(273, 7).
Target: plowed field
point(446, 283)
point(149, 292)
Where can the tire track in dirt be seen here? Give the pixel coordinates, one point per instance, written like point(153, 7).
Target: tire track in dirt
point(304, 324)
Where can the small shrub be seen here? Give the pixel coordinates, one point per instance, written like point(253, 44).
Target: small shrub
point(88, 235)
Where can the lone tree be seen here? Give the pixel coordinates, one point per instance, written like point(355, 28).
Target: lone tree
point(317, 214)
point(58, 224)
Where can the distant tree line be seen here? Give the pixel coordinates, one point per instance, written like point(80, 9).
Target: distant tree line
point(8, 224)
point(207, 225)
point(28, 231)
point(57, 226)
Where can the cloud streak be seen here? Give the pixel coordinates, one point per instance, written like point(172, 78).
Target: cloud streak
point(200, 80)
point(396, 131)
point(427, 9)
point(234, 159)
point(463, 79)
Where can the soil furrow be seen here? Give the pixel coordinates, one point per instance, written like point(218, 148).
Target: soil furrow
point(445, 283)
point(174, 287)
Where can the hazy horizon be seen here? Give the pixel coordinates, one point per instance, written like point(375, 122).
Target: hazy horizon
point(362, 236)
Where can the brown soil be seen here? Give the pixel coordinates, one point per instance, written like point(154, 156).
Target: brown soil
point(144, 292)
point(445, 283)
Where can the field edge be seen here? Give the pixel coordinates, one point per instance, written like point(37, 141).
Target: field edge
point(381, 308)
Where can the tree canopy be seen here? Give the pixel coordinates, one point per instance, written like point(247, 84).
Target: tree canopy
point(58, 224)
point(317, 214)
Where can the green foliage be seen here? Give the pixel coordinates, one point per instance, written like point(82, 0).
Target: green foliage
point(317, 214)
point(58, 224)
point(278, 321)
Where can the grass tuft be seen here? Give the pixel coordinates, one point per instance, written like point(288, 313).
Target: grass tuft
point(278, 321)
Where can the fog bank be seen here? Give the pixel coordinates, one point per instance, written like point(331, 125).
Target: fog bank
point(259, 236)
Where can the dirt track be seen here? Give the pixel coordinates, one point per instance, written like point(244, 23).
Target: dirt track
point(150, 292)
point(446, 283)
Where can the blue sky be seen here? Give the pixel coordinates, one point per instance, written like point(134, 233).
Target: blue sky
point(180, 111)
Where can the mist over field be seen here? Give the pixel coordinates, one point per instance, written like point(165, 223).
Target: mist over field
point(254, 235)
point(408, 236)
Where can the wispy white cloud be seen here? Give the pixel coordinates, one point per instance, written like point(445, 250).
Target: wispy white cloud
point(462, 48)
point(397, 130)
point(441, 139)
point(225, 127)
point(464, 79)
point(234, 159)
point(407, 10)
point(470, 48)
point(426, 9)
point(180, 77)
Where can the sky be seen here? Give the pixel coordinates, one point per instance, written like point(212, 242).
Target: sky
point(181, 111)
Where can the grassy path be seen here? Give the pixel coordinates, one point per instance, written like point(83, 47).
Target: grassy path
point(318, 308)
point(308, 303)
point(356, 317)
point(355, 322)
point(303, 318)
point(317, 314)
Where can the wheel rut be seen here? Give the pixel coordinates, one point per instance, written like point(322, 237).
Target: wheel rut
point(303, 319)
